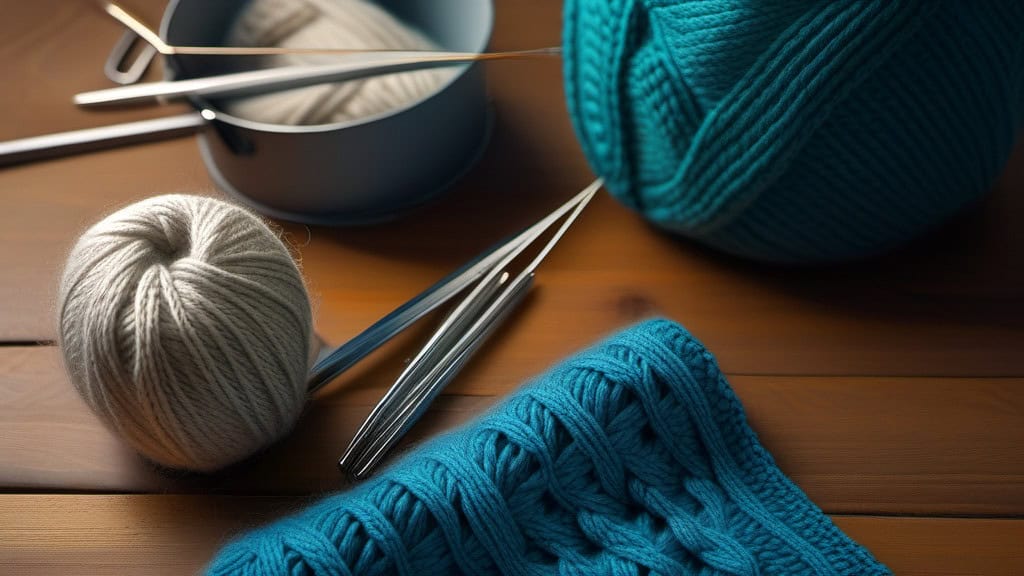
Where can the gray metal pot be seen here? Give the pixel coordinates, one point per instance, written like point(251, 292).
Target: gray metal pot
point(343, 173)
point(348, 172)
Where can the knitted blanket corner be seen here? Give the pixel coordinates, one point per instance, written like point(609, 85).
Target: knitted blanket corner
point(633, 457)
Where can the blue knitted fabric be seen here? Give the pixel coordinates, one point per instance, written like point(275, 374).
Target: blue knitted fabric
point(796, 130)
point(631, 458)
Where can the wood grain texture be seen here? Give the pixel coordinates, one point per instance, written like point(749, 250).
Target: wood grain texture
point(50, 440)
point(863, 445)
point(941, 546)
point(150, 534)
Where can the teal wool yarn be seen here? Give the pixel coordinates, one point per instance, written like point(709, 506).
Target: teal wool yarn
point(633, 457)
point(796, 131)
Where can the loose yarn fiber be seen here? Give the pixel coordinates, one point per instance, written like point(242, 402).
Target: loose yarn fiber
point(631, 458)
point(355, 24)
point(186, 327)
point(796, 131)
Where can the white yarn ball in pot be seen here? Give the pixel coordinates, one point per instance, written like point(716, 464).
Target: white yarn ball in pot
point(185, 325)
point(351, 24)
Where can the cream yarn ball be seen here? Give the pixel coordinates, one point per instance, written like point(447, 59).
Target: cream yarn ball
point(355, 24)
point(186, 327)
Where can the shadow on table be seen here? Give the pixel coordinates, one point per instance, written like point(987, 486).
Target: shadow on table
point(970, 270)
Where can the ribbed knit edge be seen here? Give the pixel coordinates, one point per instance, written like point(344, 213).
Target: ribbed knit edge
point(603, 148)
point(761, 475)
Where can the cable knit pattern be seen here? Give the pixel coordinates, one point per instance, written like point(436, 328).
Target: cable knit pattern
point(631, 458)
point(800, 130)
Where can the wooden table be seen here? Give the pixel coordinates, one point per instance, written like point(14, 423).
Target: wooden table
point(891, 391)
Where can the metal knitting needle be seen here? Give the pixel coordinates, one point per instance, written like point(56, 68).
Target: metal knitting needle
point(357, 63)
point(464, 311)
point(441, 371)
point(458, 319)
point(441, 342)
point(152, 38)
point(346, 355)
point(491, 269)
point(353, 66)
point(384, 429)
point(440, 375)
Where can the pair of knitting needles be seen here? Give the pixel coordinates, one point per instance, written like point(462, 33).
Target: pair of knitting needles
point(357, 64)
point(354, 64)
point(496, 293)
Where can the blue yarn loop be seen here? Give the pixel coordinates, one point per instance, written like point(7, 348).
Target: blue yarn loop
point(632, 457)
point(800, 130)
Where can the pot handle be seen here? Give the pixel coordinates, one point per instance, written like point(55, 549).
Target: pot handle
point(118, 69)
point(77, 141)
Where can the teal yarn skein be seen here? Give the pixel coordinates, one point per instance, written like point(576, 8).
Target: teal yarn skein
point(797, 131)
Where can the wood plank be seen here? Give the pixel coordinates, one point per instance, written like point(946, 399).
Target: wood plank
point(895, 445)
point(864, 445)
point(50, 440)
point(166, 534)
point(941, 546)
point(54, 49)
point(122, 534)
point(951, 305)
